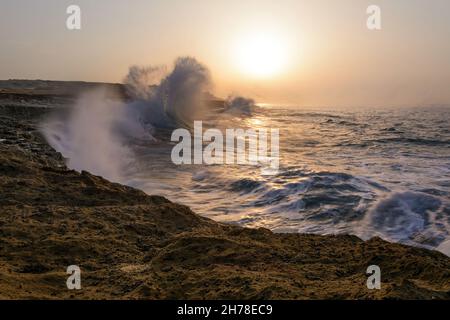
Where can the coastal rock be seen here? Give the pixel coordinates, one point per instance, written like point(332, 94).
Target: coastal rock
point(131, 245)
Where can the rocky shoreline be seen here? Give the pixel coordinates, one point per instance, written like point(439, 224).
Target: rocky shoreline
point(130, 245)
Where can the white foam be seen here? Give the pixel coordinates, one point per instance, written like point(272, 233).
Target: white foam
point(400, 216)
point(444, 247)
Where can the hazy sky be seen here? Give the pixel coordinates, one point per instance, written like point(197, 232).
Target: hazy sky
point(325, 53)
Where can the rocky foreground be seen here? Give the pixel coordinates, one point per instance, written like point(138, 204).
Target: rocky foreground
point(130, 245)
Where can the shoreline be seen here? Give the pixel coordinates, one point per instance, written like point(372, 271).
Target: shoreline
point(130, 245)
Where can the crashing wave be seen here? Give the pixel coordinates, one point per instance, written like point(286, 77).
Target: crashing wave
point(94, 133)
point(407, 217)
point(239, 105)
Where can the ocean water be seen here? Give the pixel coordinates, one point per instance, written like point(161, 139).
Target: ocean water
point(369, 172)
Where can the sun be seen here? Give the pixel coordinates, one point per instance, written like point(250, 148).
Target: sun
point(260, 55)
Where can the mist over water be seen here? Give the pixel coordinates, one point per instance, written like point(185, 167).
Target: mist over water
point(88, 138)
point(378, 172)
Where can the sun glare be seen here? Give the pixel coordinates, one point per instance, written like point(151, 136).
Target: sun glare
point(260, 55)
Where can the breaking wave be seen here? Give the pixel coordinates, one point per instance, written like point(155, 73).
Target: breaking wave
point(94, 134)
point(239, 105)
point(407, 217)
point(170, 99)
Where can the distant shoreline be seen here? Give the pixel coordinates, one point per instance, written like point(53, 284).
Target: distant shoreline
point(71, 89)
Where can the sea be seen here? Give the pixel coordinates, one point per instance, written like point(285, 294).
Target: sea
point(370, 172)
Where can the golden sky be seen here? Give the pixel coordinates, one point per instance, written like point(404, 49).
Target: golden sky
point(307, 53)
